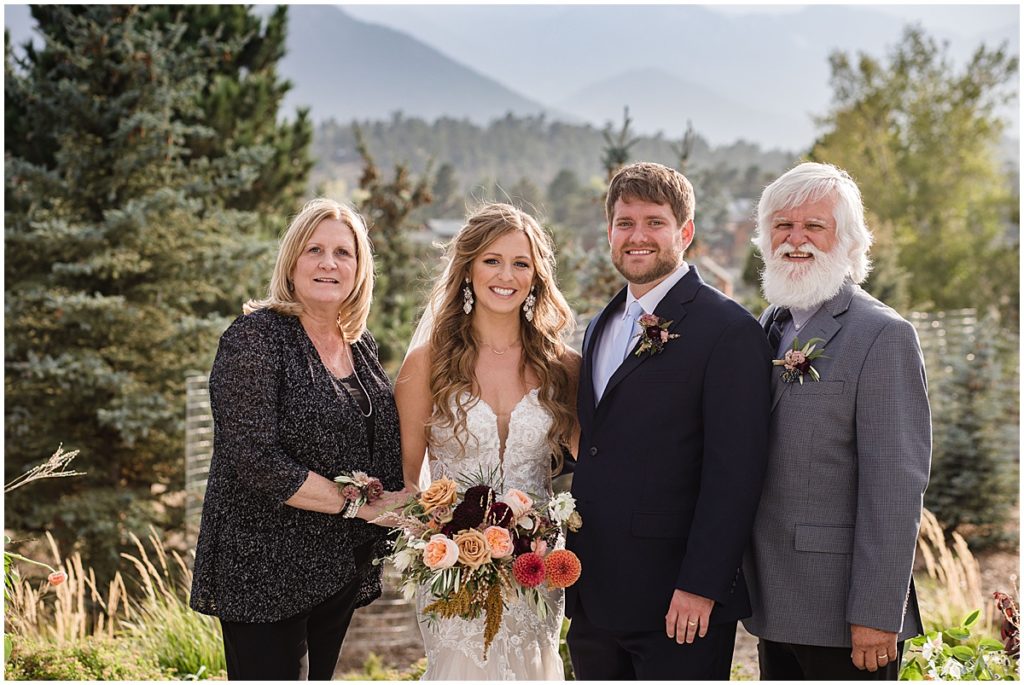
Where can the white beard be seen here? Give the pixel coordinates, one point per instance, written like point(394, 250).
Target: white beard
point(803, 286)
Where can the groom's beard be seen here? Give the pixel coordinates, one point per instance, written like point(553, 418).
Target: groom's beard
point(803, 286)
point(663, 264)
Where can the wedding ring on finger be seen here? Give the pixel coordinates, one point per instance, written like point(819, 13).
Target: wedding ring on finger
point(691, 623)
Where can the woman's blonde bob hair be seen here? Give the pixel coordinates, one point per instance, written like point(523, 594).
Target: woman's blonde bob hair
point(281, 293)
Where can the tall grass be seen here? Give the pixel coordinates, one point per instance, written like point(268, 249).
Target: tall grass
point(154, 619)
point(184, 641)
point(952, 588)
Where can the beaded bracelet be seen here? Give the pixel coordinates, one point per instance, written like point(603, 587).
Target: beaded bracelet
point(350, 510)
point(358, 489)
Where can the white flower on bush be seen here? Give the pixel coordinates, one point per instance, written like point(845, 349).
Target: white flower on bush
point(952, 669)
point(931, 648)
point(561, 507)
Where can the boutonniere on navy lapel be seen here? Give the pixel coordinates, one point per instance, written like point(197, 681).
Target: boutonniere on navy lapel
point(797, 361)
point(653, 334)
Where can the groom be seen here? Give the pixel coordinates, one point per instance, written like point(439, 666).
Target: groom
point(674, 420)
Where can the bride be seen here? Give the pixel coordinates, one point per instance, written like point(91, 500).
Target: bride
point(492, 387)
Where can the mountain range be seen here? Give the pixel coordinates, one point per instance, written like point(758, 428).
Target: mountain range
point(761, 77)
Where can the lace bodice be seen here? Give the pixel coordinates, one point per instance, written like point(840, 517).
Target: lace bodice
point(526, 646)
point(526, 462)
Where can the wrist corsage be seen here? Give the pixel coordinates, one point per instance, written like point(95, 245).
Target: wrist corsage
point(358, 489)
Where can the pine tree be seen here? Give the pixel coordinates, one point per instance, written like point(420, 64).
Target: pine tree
point(973, 394)
point(616, 148)
point(399, 288)
point(124, 258)
point(239, 100)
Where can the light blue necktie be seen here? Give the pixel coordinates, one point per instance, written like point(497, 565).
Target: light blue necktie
point(622, 343)
point(633, 312)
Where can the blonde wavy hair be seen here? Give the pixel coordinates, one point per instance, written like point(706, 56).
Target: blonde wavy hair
point(454, 349)
point(281, 293)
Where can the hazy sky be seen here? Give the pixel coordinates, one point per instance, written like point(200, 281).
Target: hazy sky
point(961, 18)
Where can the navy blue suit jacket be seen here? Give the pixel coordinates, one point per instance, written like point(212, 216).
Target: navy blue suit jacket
point(670, 464)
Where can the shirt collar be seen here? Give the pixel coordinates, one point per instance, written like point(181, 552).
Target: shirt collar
point(653, 298)
point(802, 316)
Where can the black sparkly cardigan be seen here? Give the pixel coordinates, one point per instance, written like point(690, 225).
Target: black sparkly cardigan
point(276, 416)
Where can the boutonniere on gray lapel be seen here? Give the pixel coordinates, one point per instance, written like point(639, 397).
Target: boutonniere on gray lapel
point(653, 334)
point(798, 358)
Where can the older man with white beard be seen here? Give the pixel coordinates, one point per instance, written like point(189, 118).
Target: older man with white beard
point(830, 561)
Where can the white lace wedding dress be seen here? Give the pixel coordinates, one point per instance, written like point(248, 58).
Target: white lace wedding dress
point(526, 647)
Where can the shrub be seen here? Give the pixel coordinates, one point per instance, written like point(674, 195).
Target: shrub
point(975, 418)
point(955, 654)
point(96, 658)
point(375, 669)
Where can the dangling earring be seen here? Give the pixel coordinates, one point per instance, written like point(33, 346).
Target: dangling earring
point(531, 300)
point(467, 297)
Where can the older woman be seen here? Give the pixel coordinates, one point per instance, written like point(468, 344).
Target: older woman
point(298, 397)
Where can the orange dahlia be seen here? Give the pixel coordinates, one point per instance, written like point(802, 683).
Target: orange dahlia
point(528, 569)
point(562, 568)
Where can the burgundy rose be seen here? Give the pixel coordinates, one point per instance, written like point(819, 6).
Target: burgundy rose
point(805, 366)
point(467, 515)
point(350, 493)
point(500, 514)
point(480, 496)
point(374, 490)
point(520, 544)
point(654, 333)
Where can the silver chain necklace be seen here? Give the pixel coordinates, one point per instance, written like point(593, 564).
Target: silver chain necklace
point(338, 391)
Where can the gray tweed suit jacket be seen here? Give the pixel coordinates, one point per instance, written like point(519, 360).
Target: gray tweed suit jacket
point(848, 462)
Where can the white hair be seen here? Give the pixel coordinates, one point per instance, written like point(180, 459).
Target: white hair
point(810, 182)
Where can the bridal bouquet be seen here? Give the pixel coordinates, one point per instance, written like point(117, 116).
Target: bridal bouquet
point(477, 548)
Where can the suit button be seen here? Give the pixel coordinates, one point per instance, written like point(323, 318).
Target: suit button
point(593, 451)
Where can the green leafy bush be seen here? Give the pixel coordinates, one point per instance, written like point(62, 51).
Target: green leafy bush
point(954, 654)
point(375, 669)
point(91, 659)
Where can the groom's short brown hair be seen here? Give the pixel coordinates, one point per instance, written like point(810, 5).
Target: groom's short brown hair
point(650, 182)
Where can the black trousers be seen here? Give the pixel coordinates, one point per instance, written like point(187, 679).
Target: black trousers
point(785, 661)
point(302, 647)
point(649, 655)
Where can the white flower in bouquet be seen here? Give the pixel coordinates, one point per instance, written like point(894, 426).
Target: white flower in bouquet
point(405, 558)
point(561, 507)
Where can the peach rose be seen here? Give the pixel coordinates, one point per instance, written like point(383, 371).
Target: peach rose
point(473, 549)
point(441, 493)
point(499, 540)
point(440, 552)
point(518, 500)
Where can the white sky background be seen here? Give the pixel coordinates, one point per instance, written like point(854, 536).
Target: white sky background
point(962, 18)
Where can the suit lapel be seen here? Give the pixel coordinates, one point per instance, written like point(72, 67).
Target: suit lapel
point(593, 336)
point(672, 308)
point(824, 324)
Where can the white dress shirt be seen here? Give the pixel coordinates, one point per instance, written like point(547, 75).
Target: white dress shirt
point(613, 329)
